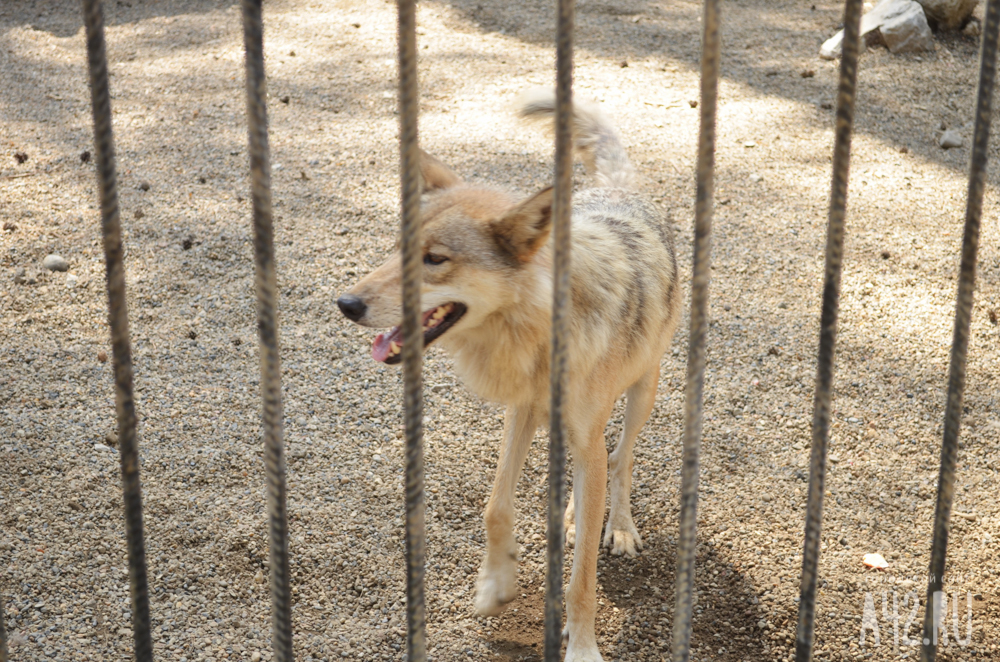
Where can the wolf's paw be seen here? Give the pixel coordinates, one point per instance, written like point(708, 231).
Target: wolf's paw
point(587, 653)
point(495, 587)
point(571, 535)
point(623, 539)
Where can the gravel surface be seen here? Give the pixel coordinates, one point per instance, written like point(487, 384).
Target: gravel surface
point(178, 98)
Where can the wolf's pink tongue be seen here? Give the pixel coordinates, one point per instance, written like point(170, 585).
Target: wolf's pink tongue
point(382, 344)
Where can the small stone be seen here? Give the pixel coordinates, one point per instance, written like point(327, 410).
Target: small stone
point(950, 139)
point(259, 577)
point(20, 157)
point(101, 447)
point(972, 29)
point(139, 214)
point(144, 186)
point(54, 262)
point(85, 156)
point(255, 656)
point(285, 100)
point(111, 439)
point(102, 356)
point(19, 276)
point(756, 177)
point(72, 280)
point(807, 73)
point(693, 103)
point(8, 226)
point(623, 64)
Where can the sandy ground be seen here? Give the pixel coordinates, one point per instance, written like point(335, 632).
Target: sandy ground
point(178, 98)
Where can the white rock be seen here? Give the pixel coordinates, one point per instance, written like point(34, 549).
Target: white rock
point(948, 14)
point(71, 280)
point(831, 48)
point(905, 30)
point(908, 31)
point(949, 139)
point(55, 263)
point(101, 447)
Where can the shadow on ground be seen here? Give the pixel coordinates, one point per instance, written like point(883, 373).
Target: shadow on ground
point(725, 612)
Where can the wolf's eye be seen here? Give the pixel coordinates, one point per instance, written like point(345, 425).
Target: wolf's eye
point(433, 258)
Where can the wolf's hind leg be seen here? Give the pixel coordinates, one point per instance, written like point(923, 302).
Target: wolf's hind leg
point(621, 535)
point(497, 583)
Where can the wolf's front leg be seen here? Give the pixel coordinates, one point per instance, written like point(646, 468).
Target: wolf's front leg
point(497, 584)
point(590, 475)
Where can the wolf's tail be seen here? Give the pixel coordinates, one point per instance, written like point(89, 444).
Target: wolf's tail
point(594, 136)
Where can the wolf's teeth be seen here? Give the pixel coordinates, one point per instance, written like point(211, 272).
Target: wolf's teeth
point(394, 347)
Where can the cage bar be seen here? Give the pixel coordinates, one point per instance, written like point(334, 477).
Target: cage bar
point(121, 349)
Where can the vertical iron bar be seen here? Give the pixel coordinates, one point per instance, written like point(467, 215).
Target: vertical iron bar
point(104, 149)
point(684, 594)
point(561, 211)
point(267, 329)
point(828, 329)
point(4, 655)
point(413, 337)
point(963, 316)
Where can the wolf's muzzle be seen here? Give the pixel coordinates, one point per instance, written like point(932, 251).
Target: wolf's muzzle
point(352, 307)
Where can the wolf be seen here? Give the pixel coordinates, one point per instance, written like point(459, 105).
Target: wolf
point(487, 293)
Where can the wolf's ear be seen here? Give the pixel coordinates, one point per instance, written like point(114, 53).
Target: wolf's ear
point(522, 230)
point(435, 175)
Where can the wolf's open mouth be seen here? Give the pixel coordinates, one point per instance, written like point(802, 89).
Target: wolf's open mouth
point(387, 346)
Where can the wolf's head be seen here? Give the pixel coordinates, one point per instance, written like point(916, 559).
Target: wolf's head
point(476, 243)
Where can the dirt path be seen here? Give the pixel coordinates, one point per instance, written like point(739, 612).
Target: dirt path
point(178, 99)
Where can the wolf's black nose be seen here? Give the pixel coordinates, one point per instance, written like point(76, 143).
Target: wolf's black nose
point(352, 307)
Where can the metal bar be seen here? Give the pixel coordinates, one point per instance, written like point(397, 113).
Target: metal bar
point(267, 328)
point(4, 654)
point(413, 337)
point(828, 329)
point(963, 317)
point(104, 149)
point(694, 390)
point(561, 211)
